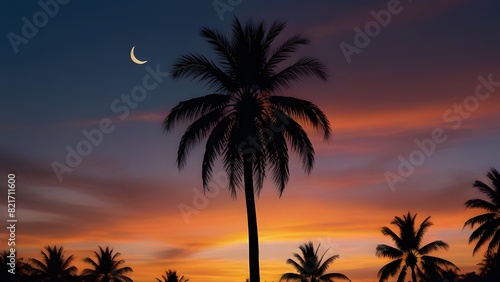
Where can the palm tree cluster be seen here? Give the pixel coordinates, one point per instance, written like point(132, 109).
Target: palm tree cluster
point(251, 129)
point(55, 266)
point(410, 256)
point(311, 267)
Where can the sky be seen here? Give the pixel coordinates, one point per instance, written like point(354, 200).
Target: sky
point(412, 96)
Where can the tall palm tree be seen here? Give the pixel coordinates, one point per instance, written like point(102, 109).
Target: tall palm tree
point(53, 267)
point(489, 222)
point(171, 276)
point(106, 267)
point(310, 267)
point(409, 252)
point(245, 124)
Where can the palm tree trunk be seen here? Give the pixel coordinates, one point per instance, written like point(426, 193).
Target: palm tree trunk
point(253, 236)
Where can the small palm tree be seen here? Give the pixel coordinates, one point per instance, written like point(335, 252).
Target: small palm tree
point(54, 267)
point(409, 252)
point(489, 222)
point(243, 122)
point(171, 276)
point(106, 268)
point(310, 267)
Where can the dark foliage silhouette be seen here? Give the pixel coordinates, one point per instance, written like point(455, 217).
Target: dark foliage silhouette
point(490, 266)
point(310, 267)
point(171, 276)
point(410, 254)
point(106, 267)
point(244, 123)
point(53, 267)
point(471, 277)
point(4, 268)
point(489, 222)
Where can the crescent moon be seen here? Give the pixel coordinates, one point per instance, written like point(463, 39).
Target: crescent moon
point(134, 58)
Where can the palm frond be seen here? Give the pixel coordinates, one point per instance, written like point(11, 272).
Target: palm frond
point(442, 263)
point(298, 267)
point(304, 111)
point(389, 269)
point(285, 50)
point(215, 147)
point(386, 231)
point(481, 204)
point(494, 176)
point(297, 136)
point(484, 233)
point(421, 230)
point(433, 246)
point(304, 67)
point(402, 274)
point(386, 251)
point(324, 266)
point(233, 161)
point(495, 242)
point(480, 219)
point(194, 108)
point(273, 32)
point(196, 132)
point(330, 276)
point(278, 157)
point(198, 67)
point(293, 277)
point(221, 46)
point(485, 189)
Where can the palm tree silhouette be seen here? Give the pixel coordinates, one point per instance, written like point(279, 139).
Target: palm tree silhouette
point(490, 266)
point(409, 253)
point(489, 222)
point(54, 267)
point(171, 276)
point(311, 267)
point(4, 268)
point(20, 272)
point(247, 126)
point(106, 267)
